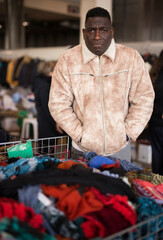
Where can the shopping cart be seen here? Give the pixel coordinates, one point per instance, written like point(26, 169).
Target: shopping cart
point(57, 147)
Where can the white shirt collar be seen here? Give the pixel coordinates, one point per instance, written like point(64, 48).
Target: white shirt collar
point(88, 55)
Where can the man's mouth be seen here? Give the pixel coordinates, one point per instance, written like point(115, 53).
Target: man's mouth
point(97, 45)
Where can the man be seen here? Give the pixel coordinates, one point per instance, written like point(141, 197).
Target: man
point(101, 93)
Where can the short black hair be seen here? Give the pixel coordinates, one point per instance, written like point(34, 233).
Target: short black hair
point(98, 12)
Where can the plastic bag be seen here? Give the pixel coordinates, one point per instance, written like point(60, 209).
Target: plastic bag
point(23, 150)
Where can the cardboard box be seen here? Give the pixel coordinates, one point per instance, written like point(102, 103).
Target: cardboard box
point(144, 153)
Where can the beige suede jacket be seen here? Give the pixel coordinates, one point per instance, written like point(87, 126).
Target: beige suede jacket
point(99, 100)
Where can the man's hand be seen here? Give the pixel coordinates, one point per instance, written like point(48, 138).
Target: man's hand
point(59, 129)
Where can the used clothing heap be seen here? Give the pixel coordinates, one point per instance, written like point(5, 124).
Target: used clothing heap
point(74, 199)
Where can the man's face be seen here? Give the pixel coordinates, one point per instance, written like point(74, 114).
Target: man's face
point(98, 34)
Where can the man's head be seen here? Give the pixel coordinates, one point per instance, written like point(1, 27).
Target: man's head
point(98, 31)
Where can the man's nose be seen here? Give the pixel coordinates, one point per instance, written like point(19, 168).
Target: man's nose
point(97, 34)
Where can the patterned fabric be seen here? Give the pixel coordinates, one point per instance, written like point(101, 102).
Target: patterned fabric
point(20, 230)
point(144, 174)
point(55, 221)
point(24, 165)
point(116, 209)
point(74, 200)
point(156, 178)
point(11, 208)
point(148, 208)
point(147, 189)
point(128, 166)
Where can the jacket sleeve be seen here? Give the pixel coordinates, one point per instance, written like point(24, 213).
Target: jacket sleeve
point(141, 98)
point(61, 101)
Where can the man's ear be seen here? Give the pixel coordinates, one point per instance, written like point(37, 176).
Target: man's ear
point(83, 30)
point(112, 32)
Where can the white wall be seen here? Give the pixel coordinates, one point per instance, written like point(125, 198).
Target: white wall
point(48, 53)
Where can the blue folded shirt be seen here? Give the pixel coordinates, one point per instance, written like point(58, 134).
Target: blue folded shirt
point(98, 161)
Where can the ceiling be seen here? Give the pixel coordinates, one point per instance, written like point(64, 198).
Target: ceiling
point(37, 15)
point(33, 14)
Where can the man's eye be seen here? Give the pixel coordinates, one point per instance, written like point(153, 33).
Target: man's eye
point(91, 30)
point(103, 30)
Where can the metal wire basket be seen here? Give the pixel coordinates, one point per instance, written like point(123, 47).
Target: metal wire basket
point(57, 147)
point(151, 229)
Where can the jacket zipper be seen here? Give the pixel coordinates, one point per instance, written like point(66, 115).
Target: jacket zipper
point(80, 74)
point(111, 74)
point(102, 106)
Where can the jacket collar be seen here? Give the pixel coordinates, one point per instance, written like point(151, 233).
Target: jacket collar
point(88, 55)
